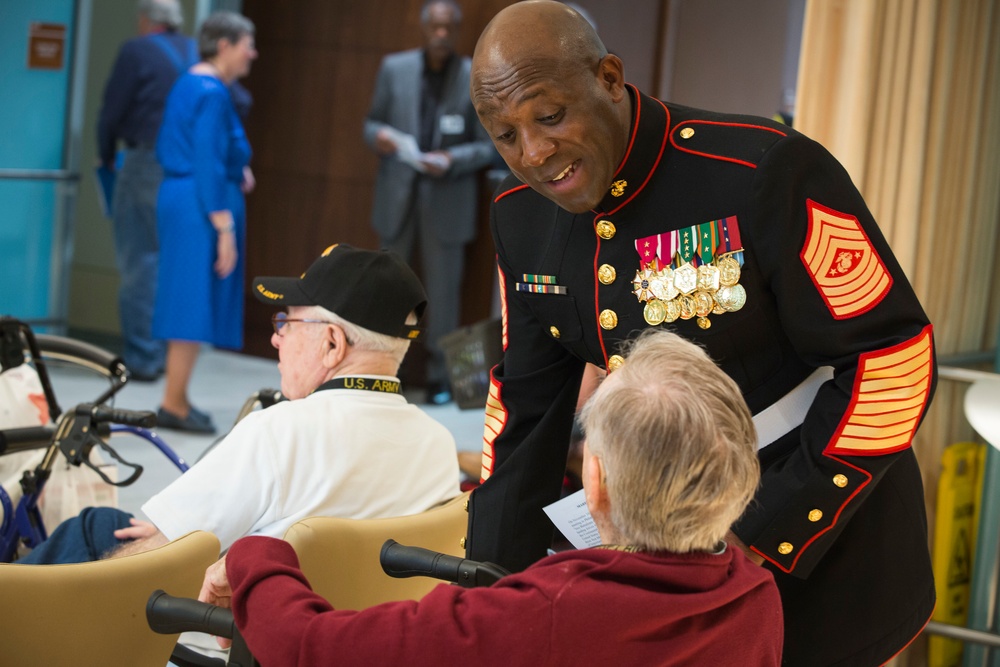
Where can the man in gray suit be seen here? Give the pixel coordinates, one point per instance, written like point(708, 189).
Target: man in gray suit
point(422, 125)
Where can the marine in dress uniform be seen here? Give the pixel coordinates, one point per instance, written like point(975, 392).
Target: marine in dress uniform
point(749, 238)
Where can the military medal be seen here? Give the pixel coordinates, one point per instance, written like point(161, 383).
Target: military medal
point(654, 312)
point(673, 311)
point(641, 284)
point(688, 306)
point(662, 285)
point(690, 273)
point(729, 270)
point(686, 279)
point(732, 298)
point(704, 303)
point(708, 278)
point(739, 298)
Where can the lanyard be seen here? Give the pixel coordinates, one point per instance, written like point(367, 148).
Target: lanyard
point(366, 384)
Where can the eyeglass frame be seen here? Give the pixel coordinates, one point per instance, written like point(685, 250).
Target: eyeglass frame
point(280, 319)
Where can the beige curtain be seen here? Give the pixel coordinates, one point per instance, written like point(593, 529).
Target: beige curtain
point(906, 93)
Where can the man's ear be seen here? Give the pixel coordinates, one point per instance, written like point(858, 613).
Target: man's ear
point(596, 488)
point(611, 72)
point(335, 343)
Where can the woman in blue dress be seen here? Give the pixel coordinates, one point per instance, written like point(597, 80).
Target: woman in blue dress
point(200, 213)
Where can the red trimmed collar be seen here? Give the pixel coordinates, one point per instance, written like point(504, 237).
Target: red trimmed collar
point(646, 144)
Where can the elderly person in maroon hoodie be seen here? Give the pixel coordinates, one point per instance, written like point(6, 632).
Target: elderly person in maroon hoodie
point(669, 464)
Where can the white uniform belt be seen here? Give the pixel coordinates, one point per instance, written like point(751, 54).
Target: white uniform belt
point(789, 411)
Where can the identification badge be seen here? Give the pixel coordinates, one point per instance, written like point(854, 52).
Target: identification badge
point(452, 124)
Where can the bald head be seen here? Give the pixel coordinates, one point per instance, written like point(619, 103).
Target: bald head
point(554, 101)
point(540, 30)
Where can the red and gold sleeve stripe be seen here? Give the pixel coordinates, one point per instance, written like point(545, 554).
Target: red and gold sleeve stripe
point(891, 392)
point(496, 419)
point(503, 305)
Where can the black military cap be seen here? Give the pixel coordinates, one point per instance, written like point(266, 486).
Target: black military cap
point(373, 289)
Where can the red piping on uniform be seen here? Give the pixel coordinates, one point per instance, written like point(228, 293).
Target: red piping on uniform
point(503, 302)
point(929, 618)
point(720, 157)
point(832, 523)
point(597, 304)
point(509, 192)
point(503, 425)
point(652, 170)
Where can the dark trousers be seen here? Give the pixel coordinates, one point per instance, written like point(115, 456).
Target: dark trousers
point(81, 539)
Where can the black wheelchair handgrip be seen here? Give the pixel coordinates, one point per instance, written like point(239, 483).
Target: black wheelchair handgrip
point(143, 418)
point(401, 561)
point(20, 439)
point(68, 347)
point(168, 615)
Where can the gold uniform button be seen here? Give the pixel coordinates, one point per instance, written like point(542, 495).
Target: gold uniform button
point(609, 319)
point(461, 543)
point(554, 331)
point(466, 505)
point(815, 515)
point(840, 480)
point(606, 274)
point(687, 133)
point(615, 362)
point(785, 548)
point(606, 229)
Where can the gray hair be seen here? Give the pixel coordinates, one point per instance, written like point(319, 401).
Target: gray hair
point(226, 25)
point(425, 11)
point(366, 339)
point(678, 445)
point(163, 12)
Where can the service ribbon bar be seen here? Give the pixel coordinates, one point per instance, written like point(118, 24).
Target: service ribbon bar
point(536, 288)
point(729, 238)
point(538, 279)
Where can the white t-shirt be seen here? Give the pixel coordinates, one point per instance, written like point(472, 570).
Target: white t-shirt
point(337, 452)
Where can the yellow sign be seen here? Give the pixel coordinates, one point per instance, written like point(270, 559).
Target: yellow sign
point(959, 491)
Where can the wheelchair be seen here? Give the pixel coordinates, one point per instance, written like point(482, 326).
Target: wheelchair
point(76, 433)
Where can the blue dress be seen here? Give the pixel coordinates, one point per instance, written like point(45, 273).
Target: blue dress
point(203, 149)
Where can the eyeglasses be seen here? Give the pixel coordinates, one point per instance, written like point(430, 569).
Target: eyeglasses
point(279, 320)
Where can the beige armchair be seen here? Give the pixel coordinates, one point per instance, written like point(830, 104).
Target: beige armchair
point(340, 557)
point(95, 613)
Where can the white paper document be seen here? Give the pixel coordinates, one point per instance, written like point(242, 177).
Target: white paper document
point(409, 152)
point(571, 517)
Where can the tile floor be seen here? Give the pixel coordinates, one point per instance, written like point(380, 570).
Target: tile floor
point(221, 384)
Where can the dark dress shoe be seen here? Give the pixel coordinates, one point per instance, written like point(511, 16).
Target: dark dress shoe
point(195, 422)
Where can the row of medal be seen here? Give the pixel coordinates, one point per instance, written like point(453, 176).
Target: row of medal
point(690, 292)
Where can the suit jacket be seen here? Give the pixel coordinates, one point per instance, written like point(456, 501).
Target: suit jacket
point(451, 199)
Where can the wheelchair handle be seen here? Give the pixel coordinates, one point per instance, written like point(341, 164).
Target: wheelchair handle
point(20, 439)
point(401, 561)
point(143, 418)
point(169, 615)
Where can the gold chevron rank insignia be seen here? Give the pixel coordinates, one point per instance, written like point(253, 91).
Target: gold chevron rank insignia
point(496, 419)
point(891, 392)
point(842, 263)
